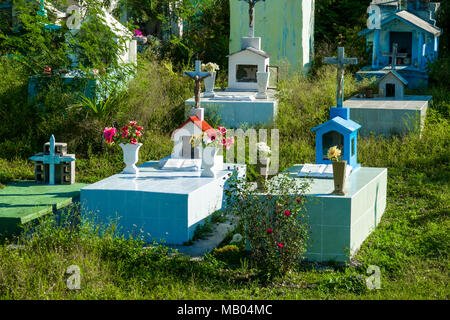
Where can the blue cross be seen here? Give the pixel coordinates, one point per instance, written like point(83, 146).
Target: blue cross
point(340, 61)
point(51, 159)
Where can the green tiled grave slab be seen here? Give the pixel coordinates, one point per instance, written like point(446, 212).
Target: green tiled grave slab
point(388, 116)
point(340, 224)
point(24, 201)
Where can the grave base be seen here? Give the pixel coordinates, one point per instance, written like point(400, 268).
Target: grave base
point(340, 224)
point(388, 116)
point(160, 205)
point(243, 110)
point(25, 201)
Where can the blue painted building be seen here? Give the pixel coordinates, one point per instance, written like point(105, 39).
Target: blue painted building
point(412, 26)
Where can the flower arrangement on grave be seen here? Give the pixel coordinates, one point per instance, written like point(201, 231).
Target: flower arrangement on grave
point(339, 169)
point(139, 36)
point(128, 138)
point(131, 133)
point(213, 138)
point(210, 81)
point(273, 224)
point(210, 67)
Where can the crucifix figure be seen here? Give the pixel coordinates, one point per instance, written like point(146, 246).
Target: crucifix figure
point(251, 15)
point(340, 61)
point(394, 55)
point(198, 76)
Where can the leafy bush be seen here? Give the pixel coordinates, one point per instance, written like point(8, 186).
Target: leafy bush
point(274, 223)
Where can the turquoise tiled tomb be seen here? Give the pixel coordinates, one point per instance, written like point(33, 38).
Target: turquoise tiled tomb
point(161, 205)
point(340, 224)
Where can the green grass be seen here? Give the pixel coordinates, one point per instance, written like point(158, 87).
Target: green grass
point(411, 244)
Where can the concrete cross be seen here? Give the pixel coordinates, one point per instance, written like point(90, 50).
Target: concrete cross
point(198, 76)
point(251, 15)
point(394, 55)
point(340, 61)
point(51, 159)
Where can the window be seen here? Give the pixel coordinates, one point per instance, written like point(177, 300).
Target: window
point(246, 73)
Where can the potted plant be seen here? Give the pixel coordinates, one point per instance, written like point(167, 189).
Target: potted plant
point(210, 81)
point(370, 90)
point(339, 170)
point(212, 141)
point(128, 138)
point(262, 166)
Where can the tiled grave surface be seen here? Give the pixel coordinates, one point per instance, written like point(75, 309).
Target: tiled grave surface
point(166, 205)
point(24, 201)
point(388, 116)
point(340, 224)
point(235, 113)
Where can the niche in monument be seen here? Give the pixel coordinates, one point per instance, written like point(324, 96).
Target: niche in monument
point(404, 42)
point(331, 139)
point(246, 73)
point(188, 151)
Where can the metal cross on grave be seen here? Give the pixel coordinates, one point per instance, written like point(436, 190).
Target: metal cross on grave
point(340, 61)
point(198, 76)
point(394, 55)
point(51, 159)
point(251, 15)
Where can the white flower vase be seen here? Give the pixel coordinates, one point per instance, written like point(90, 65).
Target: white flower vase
point(130, 157)
point(262, 168)
point(209, 85)
point(208, 162)
point(263, 83)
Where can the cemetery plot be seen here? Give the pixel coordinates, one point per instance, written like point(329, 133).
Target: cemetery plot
point(167, 205)
point(386, 116)
point(25, 201)
point(340, 224)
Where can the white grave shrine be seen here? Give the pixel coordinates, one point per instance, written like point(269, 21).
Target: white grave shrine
point(247, 100)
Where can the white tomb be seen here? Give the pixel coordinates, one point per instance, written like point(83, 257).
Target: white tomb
point(243, 65)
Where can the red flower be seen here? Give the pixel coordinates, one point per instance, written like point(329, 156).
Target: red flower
point(133, 141)
point(222, 130)
point(125, 128)
point(280, 245)
point(287, 213)
point(132, 123)
point(269, 231)
point(139, 128)
point(109, 134)
point(125, 134)
point(138, 134)
point(299, 200)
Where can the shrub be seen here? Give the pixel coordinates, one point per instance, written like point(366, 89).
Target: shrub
point(274, 223)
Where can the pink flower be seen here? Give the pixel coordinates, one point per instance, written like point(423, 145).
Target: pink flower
point(138, 134)
point(132, 123)
point(133, 141)
point(287, 213)
point(124, 134)
point(125, 128)
point(222, 130)
point(95, 72)
point(138, 33)
point(139, 128)
point(269, 231)
point(280, 245)
point(109, 134)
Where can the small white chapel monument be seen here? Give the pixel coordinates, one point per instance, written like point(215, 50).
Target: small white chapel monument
point(247, 100)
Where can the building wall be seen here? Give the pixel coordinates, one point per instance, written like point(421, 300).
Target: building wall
point(285, 26)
